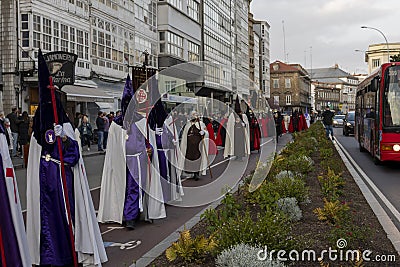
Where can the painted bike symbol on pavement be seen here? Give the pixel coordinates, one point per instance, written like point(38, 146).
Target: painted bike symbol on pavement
point(128, 245)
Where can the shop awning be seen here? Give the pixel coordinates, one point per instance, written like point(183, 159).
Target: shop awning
point(105, 107)
point(78, 93)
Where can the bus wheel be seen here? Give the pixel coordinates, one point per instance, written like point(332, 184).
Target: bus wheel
point(377, 161)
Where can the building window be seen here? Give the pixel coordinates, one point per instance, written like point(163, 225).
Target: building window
point(64, 38)
point(276, 100)
point(176, 3)
point(56, 35)
point(25, 30)
point(275, 83)
point(46, 34)
point(288, 100)
point(170, 86)
point(193, 9)
point(287, 83)
point(193, 51)
point(376, 63)
point(172, 45)
point(36, 31)
point(24, 21)
point(36, 23)
point(36, 40)
point(72, 40)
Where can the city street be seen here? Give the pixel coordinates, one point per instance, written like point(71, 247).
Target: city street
point(123, 246)
point(385, 177)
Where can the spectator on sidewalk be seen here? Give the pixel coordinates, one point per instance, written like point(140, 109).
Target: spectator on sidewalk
point(9, 134)
point(23, 129)
point(100, 130)
point(85, 129)
point(110, 117)
point(2, 123)
point(14, 122)
point(77, 119)
point(327, 120)
point(106, 127)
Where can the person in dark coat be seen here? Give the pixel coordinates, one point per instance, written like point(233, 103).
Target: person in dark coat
point(100, 130)
point(23, 129)
point(14, 122)
point(278, 124)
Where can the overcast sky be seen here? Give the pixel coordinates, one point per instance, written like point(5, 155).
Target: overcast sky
point(330, 27)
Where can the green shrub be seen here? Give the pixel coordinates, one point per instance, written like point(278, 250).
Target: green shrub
point(215, 218)
point(284, 174)
point(272, 229)
point(287, 187)
point(270, 191)
point(333, 212)
point(290, 208)
point(331, 185)
point(244, 255)
point(190, 249)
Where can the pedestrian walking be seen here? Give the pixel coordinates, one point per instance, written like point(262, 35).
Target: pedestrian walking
point(9, 135)
point(23, 129)
point(86, 132)
point(100, 124)
point(278, 124)
point(106, 128)
point(60, 212)
point(77, 119)
point(327, 120)
point(14, 122)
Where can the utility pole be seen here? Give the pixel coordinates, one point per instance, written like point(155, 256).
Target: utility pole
point(284, 42)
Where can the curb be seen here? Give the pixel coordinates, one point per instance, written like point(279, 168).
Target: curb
point(387, 224)
point(156, 251)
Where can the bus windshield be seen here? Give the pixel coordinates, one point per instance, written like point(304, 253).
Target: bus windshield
point(391, 108)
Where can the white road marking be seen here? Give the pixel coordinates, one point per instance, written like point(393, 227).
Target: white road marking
point(112, 228)
point(388, 204)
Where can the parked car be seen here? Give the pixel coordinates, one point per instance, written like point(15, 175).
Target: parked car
point(338, 120)
point(348, 123)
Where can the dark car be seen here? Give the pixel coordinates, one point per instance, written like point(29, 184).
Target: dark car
point(348, 123)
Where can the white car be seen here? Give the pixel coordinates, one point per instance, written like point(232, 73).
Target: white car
point(338, 120)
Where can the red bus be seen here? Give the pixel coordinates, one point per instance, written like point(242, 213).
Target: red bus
point(378, 113)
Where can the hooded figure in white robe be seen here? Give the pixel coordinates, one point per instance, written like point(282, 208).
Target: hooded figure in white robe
point(129, 176)
point(48, 216)
point(13, 243)
point(237, 141)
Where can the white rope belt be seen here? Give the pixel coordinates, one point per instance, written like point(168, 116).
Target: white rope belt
point(49, 158)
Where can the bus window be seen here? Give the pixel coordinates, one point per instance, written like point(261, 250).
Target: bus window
point(392, 98)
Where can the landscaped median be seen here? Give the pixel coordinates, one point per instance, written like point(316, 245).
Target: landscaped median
point(308, 212)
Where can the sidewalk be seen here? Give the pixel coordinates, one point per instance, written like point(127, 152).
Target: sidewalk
point(18, 162)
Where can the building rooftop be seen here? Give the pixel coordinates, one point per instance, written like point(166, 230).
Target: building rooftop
point(332, 72)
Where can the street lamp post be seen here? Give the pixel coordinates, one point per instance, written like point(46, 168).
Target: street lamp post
point(387, 44)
